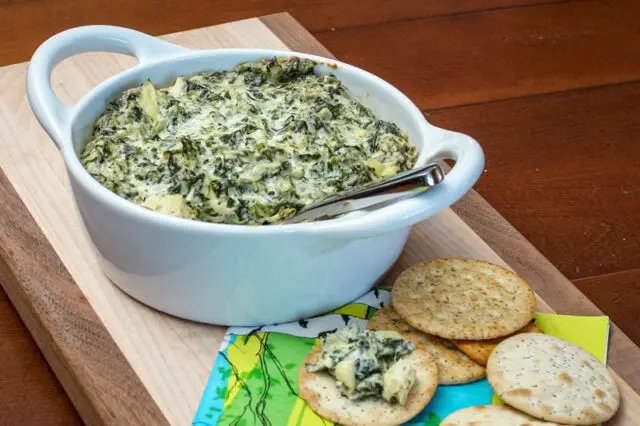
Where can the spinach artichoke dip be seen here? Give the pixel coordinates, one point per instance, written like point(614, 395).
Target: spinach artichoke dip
point(368, 363)
point(249, 146)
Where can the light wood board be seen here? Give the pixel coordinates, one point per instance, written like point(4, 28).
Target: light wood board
point(124, 363)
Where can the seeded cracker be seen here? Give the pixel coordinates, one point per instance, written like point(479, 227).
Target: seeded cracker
point(320, 392)
point(491, 415)
point(480, 350)
point(463, 299)
point(454, 367)
point(552, 379)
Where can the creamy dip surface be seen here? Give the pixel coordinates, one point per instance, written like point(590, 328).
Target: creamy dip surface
point(367, 363)
point(249, 146)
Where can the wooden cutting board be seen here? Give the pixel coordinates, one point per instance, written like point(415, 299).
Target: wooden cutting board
point(124, 363)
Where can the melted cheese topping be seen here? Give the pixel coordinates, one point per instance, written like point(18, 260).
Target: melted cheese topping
point(249, 146)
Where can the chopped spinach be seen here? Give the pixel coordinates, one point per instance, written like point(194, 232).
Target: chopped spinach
point(248, 146)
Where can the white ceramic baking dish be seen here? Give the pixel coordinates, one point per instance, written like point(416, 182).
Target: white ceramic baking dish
point(231, 274)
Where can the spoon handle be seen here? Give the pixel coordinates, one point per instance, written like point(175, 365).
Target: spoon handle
point(394, 188)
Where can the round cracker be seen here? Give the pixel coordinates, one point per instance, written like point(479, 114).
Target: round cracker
point(463, 299)
point(480, 350)
point(454, 367)
point(319, 390)
point(552, 379)
point(491, 415)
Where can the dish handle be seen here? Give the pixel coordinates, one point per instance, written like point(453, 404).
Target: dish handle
point(52, 114)
point(468, 167)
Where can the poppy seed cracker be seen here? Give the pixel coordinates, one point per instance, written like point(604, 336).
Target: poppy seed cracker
point(491, 415)
point(552, 379)
point(480, 350)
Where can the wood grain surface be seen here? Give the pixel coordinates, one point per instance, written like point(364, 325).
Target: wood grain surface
point(485, 51)
point(24, 24)
point(503, 54)
point(618, 294)
point(97, 377)
point(29, 391)
point(565, 170)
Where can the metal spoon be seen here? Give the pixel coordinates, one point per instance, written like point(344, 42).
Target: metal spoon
point(392, 189)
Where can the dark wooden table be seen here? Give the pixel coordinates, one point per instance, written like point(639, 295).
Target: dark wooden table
point(550, 88)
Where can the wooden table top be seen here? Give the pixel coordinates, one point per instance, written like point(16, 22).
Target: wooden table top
point(551, 89)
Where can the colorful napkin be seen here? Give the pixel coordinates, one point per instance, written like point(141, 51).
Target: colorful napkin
point(255, 378)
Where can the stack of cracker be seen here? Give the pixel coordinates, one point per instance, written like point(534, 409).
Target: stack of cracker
point(469, 319)
point(459, 310)
point(471, 314)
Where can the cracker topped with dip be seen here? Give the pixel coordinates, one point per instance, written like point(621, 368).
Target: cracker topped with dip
point(360, 377)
